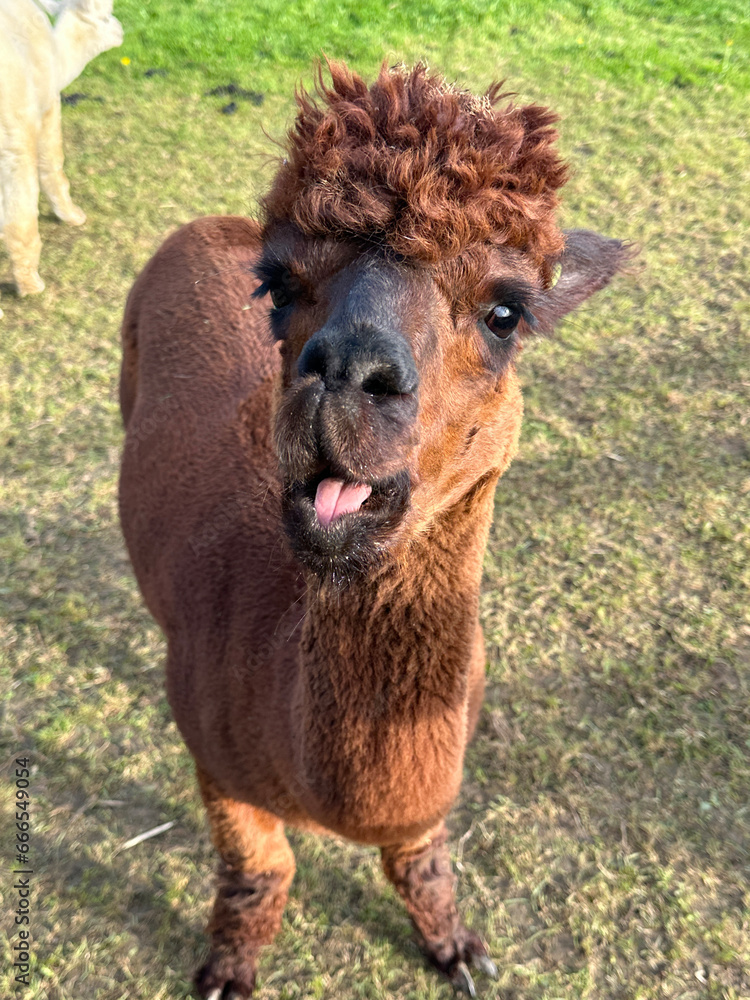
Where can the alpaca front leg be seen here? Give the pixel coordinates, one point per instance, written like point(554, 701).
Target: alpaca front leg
point(20, 199)
point(54, 182)
point(422, 874)
point(255, 872)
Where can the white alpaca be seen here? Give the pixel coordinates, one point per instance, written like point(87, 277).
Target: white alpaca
point(37, 61)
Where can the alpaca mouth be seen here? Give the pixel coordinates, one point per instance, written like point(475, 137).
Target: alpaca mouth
point(338, 527)
point(334, 498)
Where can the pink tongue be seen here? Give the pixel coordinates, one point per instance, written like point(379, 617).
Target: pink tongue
point(334, 497)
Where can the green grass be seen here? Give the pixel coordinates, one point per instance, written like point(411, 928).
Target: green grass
point(602, 833)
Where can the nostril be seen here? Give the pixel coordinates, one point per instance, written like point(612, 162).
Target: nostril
point(314, 359)
point(383, 382)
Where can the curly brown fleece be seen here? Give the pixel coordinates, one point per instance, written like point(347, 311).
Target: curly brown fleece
point(422, 166)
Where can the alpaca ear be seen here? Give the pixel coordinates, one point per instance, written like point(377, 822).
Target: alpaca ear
point(52, 6)
point(588, 263)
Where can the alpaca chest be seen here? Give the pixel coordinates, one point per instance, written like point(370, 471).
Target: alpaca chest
point(376, 779)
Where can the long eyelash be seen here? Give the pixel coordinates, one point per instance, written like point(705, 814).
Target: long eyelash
point(266, 270)
point(528, 317)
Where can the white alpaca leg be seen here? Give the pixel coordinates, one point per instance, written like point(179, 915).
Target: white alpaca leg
point(54, 182)
point(18, 176)
point(2, 215)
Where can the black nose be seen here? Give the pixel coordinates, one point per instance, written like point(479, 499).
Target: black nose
point(366, 359)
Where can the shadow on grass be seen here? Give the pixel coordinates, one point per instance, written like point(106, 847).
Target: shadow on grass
point(123, 913)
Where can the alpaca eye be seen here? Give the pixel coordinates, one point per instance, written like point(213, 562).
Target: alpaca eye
point(282, 289)
point(502, 320)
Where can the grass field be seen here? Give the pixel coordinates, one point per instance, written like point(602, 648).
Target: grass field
point(602, 836)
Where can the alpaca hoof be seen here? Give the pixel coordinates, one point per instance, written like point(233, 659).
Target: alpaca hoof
point(485, 964)
point(225, 977)
point(75, 217)
point(454, 960)
point(29, 285)
point(462, 980)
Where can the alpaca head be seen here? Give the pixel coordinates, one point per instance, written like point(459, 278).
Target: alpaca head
point(410, 245)
point(83, 30)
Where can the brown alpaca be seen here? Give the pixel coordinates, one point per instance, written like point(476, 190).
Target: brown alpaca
point(307, 483)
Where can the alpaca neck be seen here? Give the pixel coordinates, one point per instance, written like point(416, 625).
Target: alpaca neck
point(402, 620)
point(384, 666)
point(76, 44)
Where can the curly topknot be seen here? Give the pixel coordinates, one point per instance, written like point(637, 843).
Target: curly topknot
point(422, 166)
